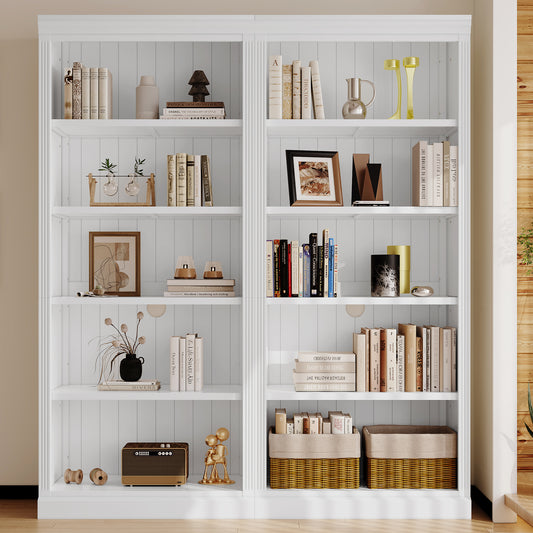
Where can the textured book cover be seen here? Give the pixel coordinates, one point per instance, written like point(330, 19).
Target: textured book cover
point(198, 364)
point(445, 173)
point(454, 359)
point(400, 363)
point(67, 94)
point(296, 89)
point(306, 93)
point(181, 180)
point(171, 180)
point(275, 95)
point(190, 180)
point(207, 193)
point(316, 86)
point(313, 255)
point(174, 363)
point(326, 357)
point(85, 93)
point(359, 348)
point(409, 332)
point(76, 90)
point(270, 269)
point(438, 195)
point(287, 91)
point(306, 271)
point(103, 93)
point(298, 424)
point(94, 93)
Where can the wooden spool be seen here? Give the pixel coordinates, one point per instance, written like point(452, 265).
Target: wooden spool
point(73, 476)
point(98, 476)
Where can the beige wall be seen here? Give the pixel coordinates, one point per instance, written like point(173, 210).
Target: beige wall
point(18, 196)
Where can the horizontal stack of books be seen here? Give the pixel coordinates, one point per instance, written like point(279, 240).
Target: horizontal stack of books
point(409, 359)
point(212, 288)
point(88, 92)
point(193, 110)
point(324, 371)
point(290, 87)
point(119, 385)
point(189, 180)
point(186, 363)
point(337, 423)
point(302, 271)
point(434, 171)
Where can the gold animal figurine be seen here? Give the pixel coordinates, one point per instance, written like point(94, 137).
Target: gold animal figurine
point(216, 455)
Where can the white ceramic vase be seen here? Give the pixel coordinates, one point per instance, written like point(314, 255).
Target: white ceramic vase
point(147, 101)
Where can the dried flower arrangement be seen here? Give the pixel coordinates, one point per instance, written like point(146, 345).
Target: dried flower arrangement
point(115, 345)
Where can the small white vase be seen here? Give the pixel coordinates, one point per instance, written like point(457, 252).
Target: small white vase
point(147, 101)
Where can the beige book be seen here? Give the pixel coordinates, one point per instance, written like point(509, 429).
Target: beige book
point(454, 359)
point(94, 93)
point(67, 94)
point(320, 422)
point(103, 93)
point(198, 364)
point(85, 93)
point(316, 86)
point(274, 87)
point(287, 92)
point(453, 176)
point(434, 333)
point(171, 180)
point(181, 180)
point(296, 89)
point(313, 424)
point(306, 93)
point(445, 343)
point(109, 95)
point(323, 367)
point(400, 363)
point(446, 173)
point(359, 348)
point(374, 356)
point(190, 180)
point(298, 424)
point(326, 426)
point(337, 423)
point(189, 361)
point(183, 364)
point(438, 195)
point(76, 90)
point(388, 360)
point(197, 181)
point(174, 363)
point(409, 332)
point(326, 357)
point(347, 424)
point(290, 426)
point(325, 387)
point(281, 421)
point(419, 174)
point(419, 365)
point(366, 333)
point(323, 377)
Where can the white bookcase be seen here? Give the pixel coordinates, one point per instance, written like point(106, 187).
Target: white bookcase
point(250, 340)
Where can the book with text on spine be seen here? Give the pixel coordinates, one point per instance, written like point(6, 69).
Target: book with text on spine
point(326, 357)
point(119, 385)
point(324, 387)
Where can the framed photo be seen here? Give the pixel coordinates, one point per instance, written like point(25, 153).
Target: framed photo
point(115, 262)
point(314, 177)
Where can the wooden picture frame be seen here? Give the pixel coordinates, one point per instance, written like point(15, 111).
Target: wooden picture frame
point(314, 178)
point(115, 262)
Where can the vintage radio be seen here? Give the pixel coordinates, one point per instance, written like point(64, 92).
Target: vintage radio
point(155, 463)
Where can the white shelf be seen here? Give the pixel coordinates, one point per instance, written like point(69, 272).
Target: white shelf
point(361, 128)
point(90, 393)
point(107, 212)
point(366, 300)
point(287, 392)
point(143, 300)
point(374, 212)
point(151, 128)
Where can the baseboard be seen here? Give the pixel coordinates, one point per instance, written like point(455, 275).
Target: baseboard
point(482, 501)
point(19, 492)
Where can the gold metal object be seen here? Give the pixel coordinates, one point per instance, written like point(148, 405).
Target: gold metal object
point(404, 252)
point(394, 64)
point(216, 455)
point(410, 63)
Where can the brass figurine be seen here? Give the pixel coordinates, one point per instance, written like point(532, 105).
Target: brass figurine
point(216, 455)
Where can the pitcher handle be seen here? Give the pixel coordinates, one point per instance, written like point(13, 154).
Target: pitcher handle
point(373, 92)
point(142, 362)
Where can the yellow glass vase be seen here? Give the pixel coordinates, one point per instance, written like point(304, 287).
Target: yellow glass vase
point(410, 64)
point(394, 64)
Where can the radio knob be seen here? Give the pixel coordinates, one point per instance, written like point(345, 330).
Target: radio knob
point(168, 445)
point(161, 445)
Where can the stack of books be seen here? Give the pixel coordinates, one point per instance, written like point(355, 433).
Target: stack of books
point(408, 359)
point(212, 288)
point(189, 180)
point(324, 371)
point(193, 110)
point(337, 423)
point(302, 271)
point(434, 171)
point(119, 385)
point(294, 90)
point(186, 363)
point(88, 92)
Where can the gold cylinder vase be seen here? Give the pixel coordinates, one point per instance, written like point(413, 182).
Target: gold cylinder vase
point(404, 252)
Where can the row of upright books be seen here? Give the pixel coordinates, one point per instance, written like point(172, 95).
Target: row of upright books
point(193, 110)
point(211, 288)
point(434, 172)
point(294, 91)
point(336, 423)
point(408, 359)
point(189, 180)
point(302, 271)
point(186, 363)
point(88, 92)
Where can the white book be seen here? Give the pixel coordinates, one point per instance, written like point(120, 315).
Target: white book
point(171, 180)
point(298, 424)
point(438, 191)
point(189, 361)
point(324, 387)
point(313, 425)
point(428, 359)
point(347, 424)
point(306, 93)
point(270, 269)
point(454, 359)
point(337, 423)
point(198, 364)
point(103, 92)
point(183, 365)
point(323, 367)
point(318, 103)
point(109, 95)
point(275, 94)
point(325, 248)
point(419, 174)
point(181, 180)
point(85, 93)
point(390, 340)
point(445, 360)
point(430, 175)
point(359, 348)
point(290, 427)
point(326, 426)
point(190, 181)
point(94, 92)
point(294, 268)
point(421, 332)
point(296, 89)
point(325, 357)
point(323, 377)
point(400, 363)
point(174, 363)
point(435, 357)
point(453, 177)
point(197, 181)
point(187, 112)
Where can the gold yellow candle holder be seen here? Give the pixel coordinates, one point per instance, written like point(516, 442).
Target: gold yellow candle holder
point(410, 64)
point(404, 252)
point(394, 64)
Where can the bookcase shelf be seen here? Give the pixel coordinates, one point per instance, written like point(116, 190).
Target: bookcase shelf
point(250, 341)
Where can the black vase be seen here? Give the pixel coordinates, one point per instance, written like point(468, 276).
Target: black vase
point(131, 367)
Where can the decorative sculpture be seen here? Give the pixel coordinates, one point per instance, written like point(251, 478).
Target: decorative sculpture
point(199, 84)
point(394, 64)
point(73, 476)
point(410, 63)
point(216, 455)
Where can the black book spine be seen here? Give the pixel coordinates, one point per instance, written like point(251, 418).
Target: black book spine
point(276, 268)
point(313, 252)
point(321, 271)
point(283, 268)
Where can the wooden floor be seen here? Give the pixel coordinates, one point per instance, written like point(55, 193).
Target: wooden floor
point(19, 516)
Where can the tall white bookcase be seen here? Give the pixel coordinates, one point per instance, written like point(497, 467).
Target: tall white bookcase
point(250, 341)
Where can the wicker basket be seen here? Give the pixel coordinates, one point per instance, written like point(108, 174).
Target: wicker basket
point(314, 461)
point(411, 457)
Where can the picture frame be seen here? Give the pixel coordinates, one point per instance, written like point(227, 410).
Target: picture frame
point(314, 178)
point(115, 262)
